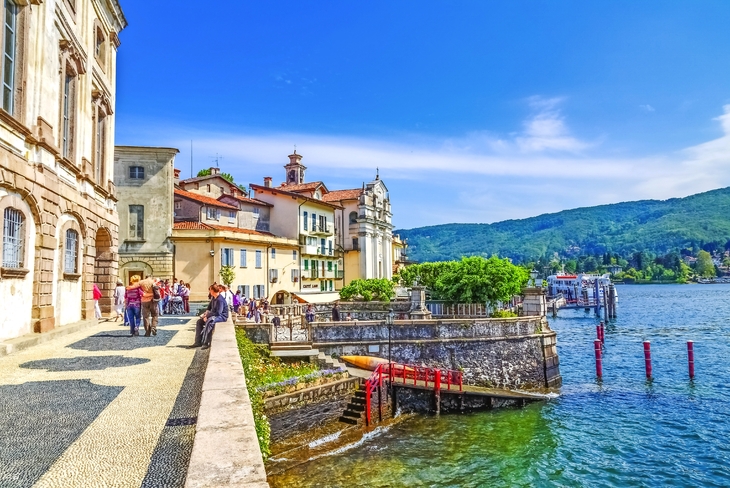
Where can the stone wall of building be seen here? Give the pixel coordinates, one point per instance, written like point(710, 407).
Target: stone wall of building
point(511, 352)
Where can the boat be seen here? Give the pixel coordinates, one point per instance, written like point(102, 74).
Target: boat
point(364, 362)
point(573, 286)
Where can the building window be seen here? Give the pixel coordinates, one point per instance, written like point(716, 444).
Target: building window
point(353, 217)
point(136, 221)
point(13, 238)
point(231, 216)
point(273, 253)
point(323, 248)
point(136, 172)
point(355, 246)
point(258, 259)
point(329, 247)
point(294, 255)
point(295, 275)
point(71, 252)
point(306, 265)
point(10, 39)
point(258, 291)
point(329, 265)
point(68, 113)
point(100, 143)
point(178, 205)
point(227, 256)
point(314, 222)
point(256, 212)
point(244, 289)
point(244, 262)
point(311, 241)
point(100, 47)
point(331, 285)
point(207, 187)
point(212, 213)
point(305, 220)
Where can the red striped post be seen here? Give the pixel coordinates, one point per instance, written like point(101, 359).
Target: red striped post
point(647, 359)
point(599, 360)
point(691, 358)
point(603, 333)
point(598, 332)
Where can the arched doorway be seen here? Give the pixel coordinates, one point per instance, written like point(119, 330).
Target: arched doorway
point(105, 269)
point(281, 298)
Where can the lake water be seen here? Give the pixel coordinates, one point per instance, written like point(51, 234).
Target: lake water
point(623, 431)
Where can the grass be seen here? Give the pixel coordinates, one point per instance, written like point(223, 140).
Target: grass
point(261, 370)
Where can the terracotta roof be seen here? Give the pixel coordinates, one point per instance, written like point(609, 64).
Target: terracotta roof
point(301, 187)
point(251, 200)
point(202, 226)
point(206, 177)
point(337, 195)
point(283, 191)
point(203, 199)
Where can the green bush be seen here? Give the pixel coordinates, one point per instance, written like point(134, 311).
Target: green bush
point(369, 290)
point(262, 369)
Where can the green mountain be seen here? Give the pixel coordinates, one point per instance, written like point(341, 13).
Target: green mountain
point(657, 226)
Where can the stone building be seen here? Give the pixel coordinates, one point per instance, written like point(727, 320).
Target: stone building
point(144, 179)
point(301, 213)
point(216, 225)
point(57, 199)
point(365, 231)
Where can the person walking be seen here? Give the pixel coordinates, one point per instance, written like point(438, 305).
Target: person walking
point(150, 305)
point(184, 292)
point(133, 301)
point(237, 301)
point(336, 312)
point(217, 312)
point(119, 292)
point(97, 296)
point(309, 314)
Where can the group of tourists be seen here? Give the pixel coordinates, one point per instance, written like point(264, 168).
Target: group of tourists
point(253, 309)
point(143, 301)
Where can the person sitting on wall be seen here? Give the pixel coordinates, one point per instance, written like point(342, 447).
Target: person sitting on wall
point(349, 317)
point(336, 312)
point(217, 312)
point(309, 314)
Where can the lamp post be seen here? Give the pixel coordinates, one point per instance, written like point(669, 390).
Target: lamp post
point(533, 276)
point(389, 321)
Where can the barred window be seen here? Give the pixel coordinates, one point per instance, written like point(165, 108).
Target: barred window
point(244, 262)
point(71, 252)
point(13, 238)
point(136, 172)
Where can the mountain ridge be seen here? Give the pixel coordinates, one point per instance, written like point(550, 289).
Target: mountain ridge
point(656, 226)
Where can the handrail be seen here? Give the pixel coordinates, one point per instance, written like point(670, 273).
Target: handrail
point(402, 373)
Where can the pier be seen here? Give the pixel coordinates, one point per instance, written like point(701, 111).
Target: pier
point(600, 299)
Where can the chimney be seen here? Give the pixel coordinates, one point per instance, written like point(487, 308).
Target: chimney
point(267, 181)
point(234, 190)
point(215, 171)
point(176, 179)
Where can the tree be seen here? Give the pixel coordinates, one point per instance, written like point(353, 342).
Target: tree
point(479, 280)
point(704, 266)
point(227, 275)
point(369, 290)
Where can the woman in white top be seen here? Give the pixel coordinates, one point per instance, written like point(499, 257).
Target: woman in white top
point(119, 300)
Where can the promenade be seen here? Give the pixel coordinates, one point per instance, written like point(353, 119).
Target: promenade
point(99, 408)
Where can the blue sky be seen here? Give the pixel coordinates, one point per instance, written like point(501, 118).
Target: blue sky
point(474, 111)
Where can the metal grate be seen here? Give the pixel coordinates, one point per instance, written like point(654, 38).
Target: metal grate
point(181, 421)
point(13, 244)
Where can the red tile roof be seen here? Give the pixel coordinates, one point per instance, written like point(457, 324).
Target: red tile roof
point(252, 201)
point(202, 226)
point(301, 187)
point(338, 195)
point(203, 199)
point(283, 191)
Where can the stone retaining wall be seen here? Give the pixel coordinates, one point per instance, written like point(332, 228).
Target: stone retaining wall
point(509, 352)
point(300, 411)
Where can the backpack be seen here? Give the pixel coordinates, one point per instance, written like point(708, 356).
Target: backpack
point(156, 293)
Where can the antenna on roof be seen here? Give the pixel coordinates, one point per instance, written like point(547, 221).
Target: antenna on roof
point(295, 148)
point(216, 159)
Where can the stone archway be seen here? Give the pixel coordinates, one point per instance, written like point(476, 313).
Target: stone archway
point(105, 269)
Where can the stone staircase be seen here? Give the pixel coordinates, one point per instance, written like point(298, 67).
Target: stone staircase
point(356, 407)
point(328, 362)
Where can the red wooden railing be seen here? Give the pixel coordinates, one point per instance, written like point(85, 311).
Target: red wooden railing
point(404, 374)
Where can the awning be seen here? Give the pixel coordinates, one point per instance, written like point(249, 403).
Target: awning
point(320, 297)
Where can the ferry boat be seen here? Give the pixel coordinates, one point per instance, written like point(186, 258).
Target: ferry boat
point(572, 286)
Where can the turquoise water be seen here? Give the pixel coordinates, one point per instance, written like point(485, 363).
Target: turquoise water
point(622, 432)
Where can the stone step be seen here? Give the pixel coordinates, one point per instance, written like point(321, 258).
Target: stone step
point(280, 346)
point(351, 414)
point(357, 401)
point(356, 407)
point(348, 420)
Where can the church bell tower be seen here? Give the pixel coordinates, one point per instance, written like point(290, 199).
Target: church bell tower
point(295, 169)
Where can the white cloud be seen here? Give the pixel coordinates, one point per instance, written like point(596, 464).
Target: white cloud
point(481, 177)
point(647, 108)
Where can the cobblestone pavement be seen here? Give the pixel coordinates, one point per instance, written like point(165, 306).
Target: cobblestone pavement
point(100, 408)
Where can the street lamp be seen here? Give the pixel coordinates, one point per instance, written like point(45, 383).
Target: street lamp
point(533, 276)
point(389, 321)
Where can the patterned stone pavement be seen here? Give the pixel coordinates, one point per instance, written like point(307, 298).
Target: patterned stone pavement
point(100, 408)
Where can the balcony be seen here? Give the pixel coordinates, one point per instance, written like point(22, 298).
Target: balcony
point(310, 274)
point(323, 251)
point(323, 230)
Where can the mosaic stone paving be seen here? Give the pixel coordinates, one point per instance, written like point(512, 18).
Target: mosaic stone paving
point(100, 408)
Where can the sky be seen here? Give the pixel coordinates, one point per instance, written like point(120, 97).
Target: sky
point(471, 111)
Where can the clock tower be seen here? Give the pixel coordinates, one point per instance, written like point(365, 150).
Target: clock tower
point(295, 169)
